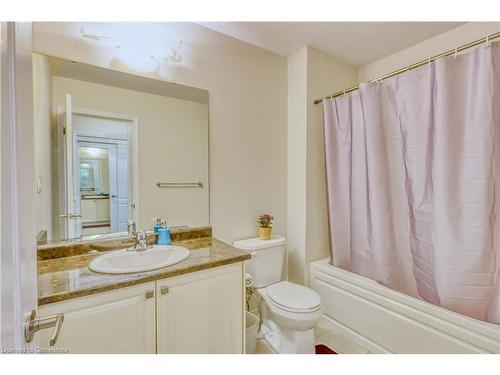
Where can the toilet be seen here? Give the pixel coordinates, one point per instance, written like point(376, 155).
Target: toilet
point(291, 311)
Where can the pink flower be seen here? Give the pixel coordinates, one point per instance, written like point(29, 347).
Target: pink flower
point(265, 220)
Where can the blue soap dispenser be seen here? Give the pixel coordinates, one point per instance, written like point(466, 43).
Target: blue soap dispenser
point(157, 224)
point(164, 234)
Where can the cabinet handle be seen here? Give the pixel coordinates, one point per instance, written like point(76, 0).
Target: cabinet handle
point(164, 290)
point(150, 294)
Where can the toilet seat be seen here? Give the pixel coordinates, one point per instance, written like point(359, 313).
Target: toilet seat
point(293, 297)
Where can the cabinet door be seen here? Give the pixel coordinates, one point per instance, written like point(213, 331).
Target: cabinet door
point(201, 312)
point(88, 210)
point(119, 321)
point(102, 209)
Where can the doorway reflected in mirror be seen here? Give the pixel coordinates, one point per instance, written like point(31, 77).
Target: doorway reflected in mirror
point(103, 139)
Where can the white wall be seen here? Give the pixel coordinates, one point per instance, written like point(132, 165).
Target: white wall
point(433, 46)
point(248, 107)
point(297, 164)
point(42, 93)
point(311, 74)
point(172, 146)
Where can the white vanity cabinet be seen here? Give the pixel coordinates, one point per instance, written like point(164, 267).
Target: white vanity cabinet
point(118, 321)
point(93, 210)
point(199, 312)
point(88, 210)
point(102, 209)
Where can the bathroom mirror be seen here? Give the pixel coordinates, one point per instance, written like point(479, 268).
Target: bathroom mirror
point(113, 147)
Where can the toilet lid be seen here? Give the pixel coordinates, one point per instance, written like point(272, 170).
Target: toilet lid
point(293, 296)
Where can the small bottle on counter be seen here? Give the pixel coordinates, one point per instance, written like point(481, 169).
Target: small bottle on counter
point(164, 234)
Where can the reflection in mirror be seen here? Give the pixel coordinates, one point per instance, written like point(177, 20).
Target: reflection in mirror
point(95, 204)
point(104, 140)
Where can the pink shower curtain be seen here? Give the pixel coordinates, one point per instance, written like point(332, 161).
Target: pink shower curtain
point(413, 168)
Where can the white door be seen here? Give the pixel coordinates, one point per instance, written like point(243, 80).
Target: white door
point(118, 184)
point(69, 197)
point(113, 186)
point(72, 214)
point(121, 200)
point(18, 285)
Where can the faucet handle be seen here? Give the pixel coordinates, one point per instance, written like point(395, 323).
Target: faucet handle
point(131, 228)
point(141, 240)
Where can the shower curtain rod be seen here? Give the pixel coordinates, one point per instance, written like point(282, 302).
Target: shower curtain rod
point(418, 64)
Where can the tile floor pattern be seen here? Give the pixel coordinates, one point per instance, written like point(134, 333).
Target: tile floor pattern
point(326, 336)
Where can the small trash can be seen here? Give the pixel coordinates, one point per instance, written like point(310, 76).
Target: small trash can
point(252, 326)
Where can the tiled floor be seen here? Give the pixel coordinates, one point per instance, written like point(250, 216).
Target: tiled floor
point(324, 335)
point(336, 340)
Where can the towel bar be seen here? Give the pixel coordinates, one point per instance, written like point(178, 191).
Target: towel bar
point(179, 184)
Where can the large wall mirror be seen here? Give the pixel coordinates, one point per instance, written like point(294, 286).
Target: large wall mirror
point(112, 148)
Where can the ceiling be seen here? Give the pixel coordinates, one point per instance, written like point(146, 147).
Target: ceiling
point(355, 43)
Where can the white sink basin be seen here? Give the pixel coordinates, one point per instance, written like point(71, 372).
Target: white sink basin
point(123, 261)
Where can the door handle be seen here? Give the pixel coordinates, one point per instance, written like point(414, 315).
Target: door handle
point(34, 324)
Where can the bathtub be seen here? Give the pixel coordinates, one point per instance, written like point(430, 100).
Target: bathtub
point(382, 320)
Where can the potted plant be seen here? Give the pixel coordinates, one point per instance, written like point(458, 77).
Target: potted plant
point(265, 228)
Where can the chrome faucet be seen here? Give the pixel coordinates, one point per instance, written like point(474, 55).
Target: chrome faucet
point(140, 238)
point(140, 241)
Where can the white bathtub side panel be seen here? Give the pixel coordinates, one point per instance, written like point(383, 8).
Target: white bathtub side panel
point(384, 321)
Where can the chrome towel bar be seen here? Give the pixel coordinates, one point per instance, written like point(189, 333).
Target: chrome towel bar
point(179, 184)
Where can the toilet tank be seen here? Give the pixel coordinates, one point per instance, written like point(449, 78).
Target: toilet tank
point(266, 265)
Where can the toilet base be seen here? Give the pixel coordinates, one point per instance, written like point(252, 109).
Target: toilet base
point(288, 341)
point(297, 342)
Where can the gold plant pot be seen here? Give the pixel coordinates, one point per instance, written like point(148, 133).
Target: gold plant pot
point(265, 233)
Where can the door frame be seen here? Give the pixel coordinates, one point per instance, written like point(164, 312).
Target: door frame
point(133, 150)
point(18, 260)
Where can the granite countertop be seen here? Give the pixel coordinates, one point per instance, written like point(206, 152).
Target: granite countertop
point(68, 276)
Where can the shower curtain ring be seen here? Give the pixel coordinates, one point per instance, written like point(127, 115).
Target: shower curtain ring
point(344, 92)
point(430, 60)
point(487, 44)
point(456, 51)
